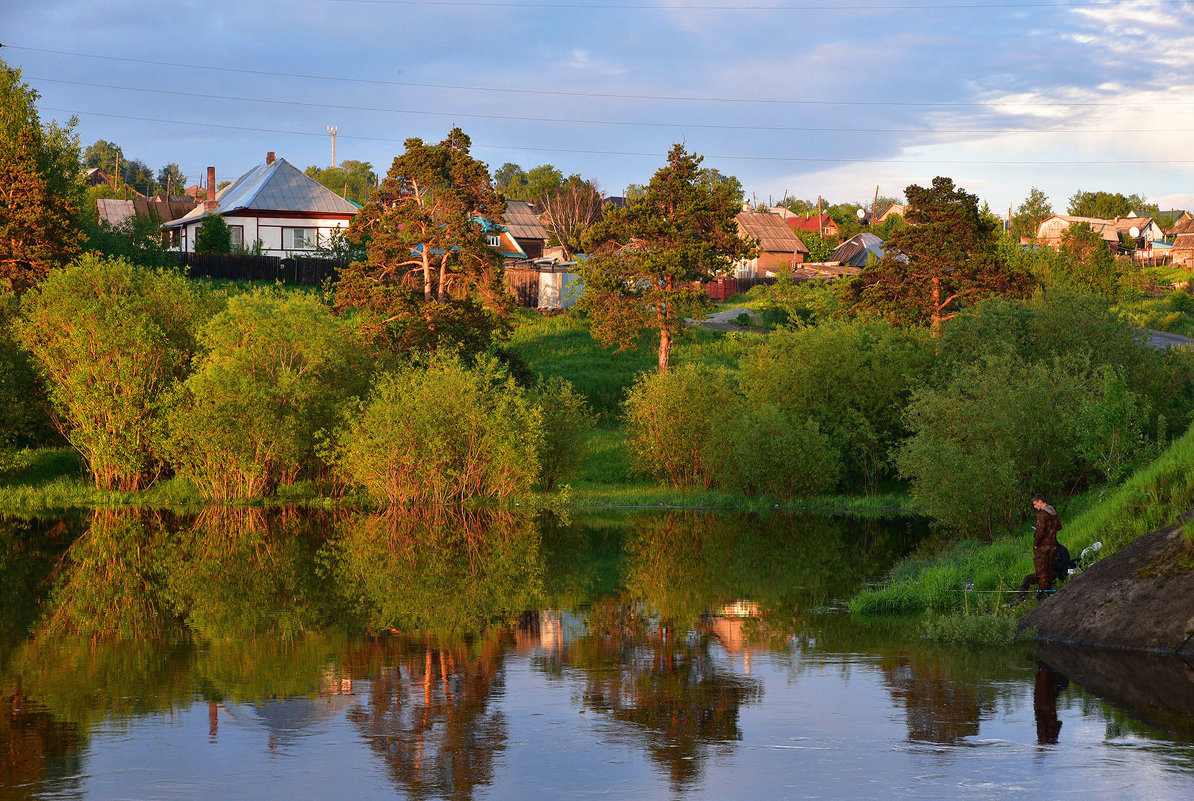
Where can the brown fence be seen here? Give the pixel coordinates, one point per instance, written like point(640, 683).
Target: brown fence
point(301, 270)
point(524, 286)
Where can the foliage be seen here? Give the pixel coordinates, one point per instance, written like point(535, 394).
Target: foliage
point(442, 433)
point(534, 185)
point(336, 245)
point(137, 239)
point(820, 248)
point(803, 302)
point(1091, 265)
point(972, 629)
point(111, 339)
point(354, 180)
point(853, 378)
point(213, 235)
point(566, 419)
point(40, 191)
point(945, 258)
point(23, 420)
point(773, 454)
point(1104, 205)
point(275, 370)
point(1029, 215)
point(674, 424)
point(171, 180)
point(425, 230)
point(653, 254)
point(1004, 428)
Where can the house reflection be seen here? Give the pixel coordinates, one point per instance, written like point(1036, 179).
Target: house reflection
point(39, 755)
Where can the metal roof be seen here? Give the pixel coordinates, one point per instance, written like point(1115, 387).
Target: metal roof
point(276, 186)
point(857, 249)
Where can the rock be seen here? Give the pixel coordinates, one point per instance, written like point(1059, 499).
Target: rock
point(1141, 598)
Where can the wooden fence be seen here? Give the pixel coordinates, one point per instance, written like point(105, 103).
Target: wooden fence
point(299, 270)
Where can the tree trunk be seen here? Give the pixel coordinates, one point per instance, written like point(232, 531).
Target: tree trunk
point(935, 320)
point(426, 275)
point(665, 349)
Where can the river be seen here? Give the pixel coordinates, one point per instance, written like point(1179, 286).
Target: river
point(287, 654)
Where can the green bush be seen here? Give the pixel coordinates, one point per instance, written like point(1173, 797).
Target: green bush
point(442, 434)
point(566, 420)
point(213, 235)
point(853, 378)
point(111, 340)
point(677, 424)
point(23, 418)
point(778, 456)
point(276, 369)
point(972, 629)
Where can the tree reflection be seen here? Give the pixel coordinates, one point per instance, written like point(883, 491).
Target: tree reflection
point(29, 549)
point(237, 572)
point(428, 714)
point(106, 584)
point(453, 572)
point(938, 708)
point(37, 752)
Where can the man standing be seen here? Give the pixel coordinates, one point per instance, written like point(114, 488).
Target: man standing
point(1044, 543)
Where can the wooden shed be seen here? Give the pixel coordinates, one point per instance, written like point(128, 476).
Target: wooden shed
point(523, 225)
point(780, 249)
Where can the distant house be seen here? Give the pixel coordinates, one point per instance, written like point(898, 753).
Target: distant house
point(1052, 230)
point(290, 213)
point(816, 223)
point(856, 250)
point(1182, 251)
point(895, 210)
point(780, 249)
point(524, 227)
point(97, 177)
point(1182, 226)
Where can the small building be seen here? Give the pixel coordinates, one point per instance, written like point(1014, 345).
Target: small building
point(162, 208)
point(1182, 251)
point(857, 250)
point(894, 210)
point(1052, 230)
point(816, 223)
point(780, 248)
point(276, 204)
point(524, 227)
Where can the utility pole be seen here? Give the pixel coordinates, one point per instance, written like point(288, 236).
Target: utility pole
point(874, 206)
point(332, 131)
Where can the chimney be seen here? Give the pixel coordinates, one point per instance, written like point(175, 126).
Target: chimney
point(210, 205)
point(269, 158)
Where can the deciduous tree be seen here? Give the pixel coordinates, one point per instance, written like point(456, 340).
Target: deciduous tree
point(570, 211)
point(354, 180)
point(653, 255)
point(1035, 209)
point(40, 190)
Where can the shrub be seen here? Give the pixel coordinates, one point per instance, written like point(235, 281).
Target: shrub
point(773, 454)
point(213, 235)
point(111, 339)
point(676, 429)
point(23, 419)
point(277, 367)
point(442, 433)
point(853, 378)
point(566, 420)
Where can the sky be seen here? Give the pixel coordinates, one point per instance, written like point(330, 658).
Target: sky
point(799, 97)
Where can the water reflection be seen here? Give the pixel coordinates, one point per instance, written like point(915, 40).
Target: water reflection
point(685, 641)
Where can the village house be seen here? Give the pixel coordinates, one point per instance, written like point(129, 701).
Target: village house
point(895, 210)
point(816, 223)
point(524, 228)
point(857, 250)
point(780, 248)
point(276, 204)
point(1052, 230)
point(116, 212)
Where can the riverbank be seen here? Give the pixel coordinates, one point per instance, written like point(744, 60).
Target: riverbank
point(979, 579)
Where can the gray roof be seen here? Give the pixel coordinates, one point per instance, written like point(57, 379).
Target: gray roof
point(855, 250)
point(279, 186)
point(114, 211)
point(522, 222)
point(774, 235)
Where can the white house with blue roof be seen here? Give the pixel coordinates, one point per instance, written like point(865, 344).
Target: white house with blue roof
point(288, 211)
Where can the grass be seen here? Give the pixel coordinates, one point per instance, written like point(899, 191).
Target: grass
point(1159, 494)
point(995, 629)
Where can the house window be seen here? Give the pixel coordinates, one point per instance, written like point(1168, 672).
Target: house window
point(298, 238)
point(238, 236)
point(176, 238)
point(493, 240)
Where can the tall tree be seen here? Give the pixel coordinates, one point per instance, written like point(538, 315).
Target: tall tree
point(653, 255)
point(570, 211)
point(944, 258)
point(1104, 205)
point(354, 180)
point(40, 190)
point(426, 232)
point(1029, 215)
point(171, 179)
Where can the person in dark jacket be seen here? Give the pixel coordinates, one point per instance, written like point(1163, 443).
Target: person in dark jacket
point(1044, 541)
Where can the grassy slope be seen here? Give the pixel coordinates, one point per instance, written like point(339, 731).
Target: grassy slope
point(1157, 495)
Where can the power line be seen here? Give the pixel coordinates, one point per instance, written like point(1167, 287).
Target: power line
point(791, 159)
point(598, 95)
point(637, 123)
point(773, 8)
